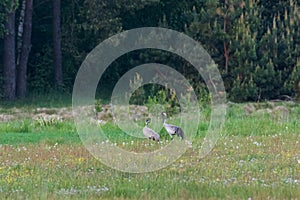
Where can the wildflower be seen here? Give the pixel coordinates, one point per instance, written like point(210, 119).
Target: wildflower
point(257, 143)
point(80, 160)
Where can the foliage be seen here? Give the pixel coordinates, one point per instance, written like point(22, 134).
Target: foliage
point(6, 6)
point(254, 43)
point(260, 45)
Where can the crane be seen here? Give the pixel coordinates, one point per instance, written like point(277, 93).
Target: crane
point(149, 133)
point(172, 129)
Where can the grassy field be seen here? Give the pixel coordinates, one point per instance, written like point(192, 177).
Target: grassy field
point(258, 157)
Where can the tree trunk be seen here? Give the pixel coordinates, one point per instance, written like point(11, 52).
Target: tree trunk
point(297, 90)
point(20, 30)
point(9, 56)
point(58, 75)
point(226, 51)
point(25, 50)
point(226, 54)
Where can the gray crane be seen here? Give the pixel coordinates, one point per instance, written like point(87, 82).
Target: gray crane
point(149, 133)
point(172, 129)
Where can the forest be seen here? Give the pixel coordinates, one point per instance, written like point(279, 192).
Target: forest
point(255, 43)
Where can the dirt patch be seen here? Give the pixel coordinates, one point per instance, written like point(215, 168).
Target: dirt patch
point(50, 115)
point(6, 118)
point(276, 112)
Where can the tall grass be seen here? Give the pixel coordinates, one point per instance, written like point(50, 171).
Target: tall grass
point(53, 99)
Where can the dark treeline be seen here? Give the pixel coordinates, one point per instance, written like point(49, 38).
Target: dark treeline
point(255, 43)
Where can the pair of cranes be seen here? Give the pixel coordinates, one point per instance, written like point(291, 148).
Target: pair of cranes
point(171, 129)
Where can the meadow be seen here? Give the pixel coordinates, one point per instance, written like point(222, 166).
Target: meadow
point(257, 157)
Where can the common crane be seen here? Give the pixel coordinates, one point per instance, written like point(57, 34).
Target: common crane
point(149, 133)
point(172, 129)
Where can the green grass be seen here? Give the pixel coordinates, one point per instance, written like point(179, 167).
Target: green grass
point(258, 157)
point(14, 138)
point(28, 131)
point(61, 99)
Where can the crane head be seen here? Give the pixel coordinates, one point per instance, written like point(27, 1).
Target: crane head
point(147, 121)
